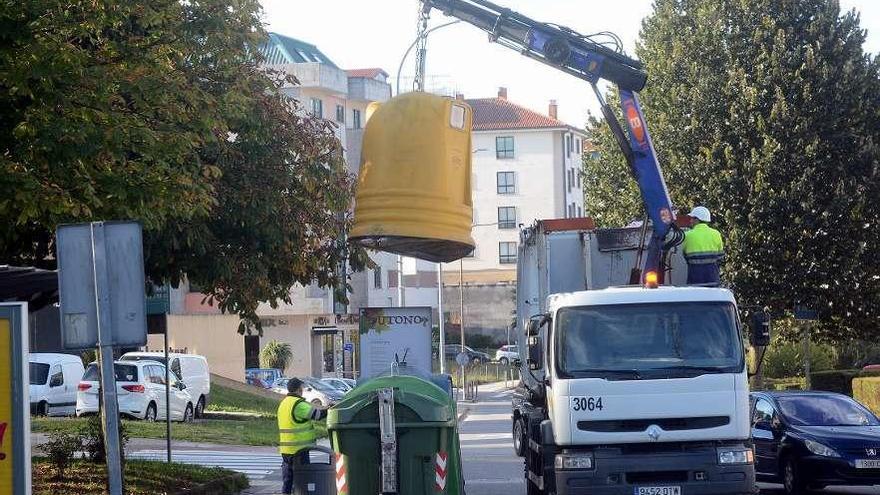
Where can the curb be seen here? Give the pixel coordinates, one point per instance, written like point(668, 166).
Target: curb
point(210, 487)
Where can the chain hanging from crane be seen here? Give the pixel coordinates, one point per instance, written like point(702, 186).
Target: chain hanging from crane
point(422, 40)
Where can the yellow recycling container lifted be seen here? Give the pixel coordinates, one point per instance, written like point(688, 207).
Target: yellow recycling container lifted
point(414, 188)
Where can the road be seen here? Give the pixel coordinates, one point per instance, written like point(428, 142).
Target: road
point(492, 468)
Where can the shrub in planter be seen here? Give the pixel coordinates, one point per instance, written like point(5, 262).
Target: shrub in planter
point(60, 449)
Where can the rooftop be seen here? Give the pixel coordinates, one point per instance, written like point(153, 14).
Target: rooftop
point(499, 113)
point(280, 49)
point(369, 73)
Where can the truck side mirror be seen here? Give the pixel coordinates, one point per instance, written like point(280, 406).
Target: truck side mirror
point(760, 331)
point(536, 353)
point(535, 324)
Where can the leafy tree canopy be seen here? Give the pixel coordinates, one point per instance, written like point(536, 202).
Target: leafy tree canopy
point(158, 111)
point(765, 111)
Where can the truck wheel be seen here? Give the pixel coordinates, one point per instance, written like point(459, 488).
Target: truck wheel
point(504, 361)
point(43, 409)
point(519, 437)
point(200, 407)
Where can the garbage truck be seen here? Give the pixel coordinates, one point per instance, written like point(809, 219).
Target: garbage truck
point(631, 389)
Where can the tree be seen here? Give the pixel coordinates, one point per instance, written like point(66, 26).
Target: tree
point(766, 112)
point(158, 111)
point(276, 355)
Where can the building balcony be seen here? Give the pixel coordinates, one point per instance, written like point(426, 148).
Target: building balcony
point(317, 75)
point(361, 88)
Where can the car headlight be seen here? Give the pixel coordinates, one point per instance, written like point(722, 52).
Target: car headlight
point(574, 461)
point(735, 455)
point(820, 449)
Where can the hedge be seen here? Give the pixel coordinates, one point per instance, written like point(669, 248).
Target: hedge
point(840, 381)
point(866, 389)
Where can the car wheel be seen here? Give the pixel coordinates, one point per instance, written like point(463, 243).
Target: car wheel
point(200, 407)
point(317, 402)
point(150, 415)
point(188, 414)
point(792, 480)
point(519, 437)
point(477, 360)
point(504, 361)
point(43, 409)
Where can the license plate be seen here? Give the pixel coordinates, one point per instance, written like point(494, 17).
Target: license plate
point(657, 490)
point(868, 463)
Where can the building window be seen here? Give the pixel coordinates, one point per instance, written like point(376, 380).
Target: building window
point(580, 212)
point(506, 253)
point(577, 146)
point(506, 182)
point(567, 145)
point(504, 147)
point(579, 179)
point(318, 108)
point(377, 278)
point(570, 177)
point(340, 113)
point(506, 217)
point(356, 119)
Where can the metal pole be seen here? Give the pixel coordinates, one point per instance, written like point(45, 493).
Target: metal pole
point(441, 352)
point(167, 398)
point(461, 318)
point(807, 383)
point(108, 373)
point(401, 293)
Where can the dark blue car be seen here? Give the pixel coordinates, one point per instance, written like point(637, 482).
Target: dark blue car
point(814, 439)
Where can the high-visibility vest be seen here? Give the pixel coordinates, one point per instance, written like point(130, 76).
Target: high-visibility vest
point(703, 245)
point(295, 428)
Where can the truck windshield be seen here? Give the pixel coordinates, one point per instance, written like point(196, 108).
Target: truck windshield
point(656, 340)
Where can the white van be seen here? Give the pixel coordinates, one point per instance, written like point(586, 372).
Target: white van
point(53, 381)
point(191, 368)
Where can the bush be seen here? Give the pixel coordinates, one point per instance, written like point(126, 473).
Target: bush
point(786, 359)
point(839, 381)
point(866, 389)
point(92, 435)
point(60, 449)
point(276, 355)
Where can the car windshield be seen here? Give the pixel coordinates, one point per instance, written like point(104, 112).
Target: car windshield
point(825, 410)
point(124, 373)
point(656, 340)
point(39, 373)
point(320, 386)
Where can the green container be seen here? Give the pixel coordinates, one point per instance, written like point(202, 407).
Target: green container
point(426, 424)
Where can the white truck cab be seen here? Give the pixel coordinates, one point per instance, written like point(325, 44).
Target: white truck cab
point(637, 390)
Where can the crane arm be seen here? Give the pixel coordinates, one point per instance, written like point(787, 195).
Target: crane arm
point(586, 58)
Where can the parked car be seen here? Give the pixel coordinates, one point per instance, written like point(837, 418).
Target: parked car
point(506, 354)
point(262, 377)
point(191, 368)
point(314, 391)
point(344, 385)
point(476, 357)
point(140, 389)
point(53, 381)
point(814, 439)
point(872, 367)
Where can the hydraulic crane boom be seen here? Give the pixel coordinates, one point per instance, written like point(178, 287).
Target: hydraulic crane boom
point(587, 58)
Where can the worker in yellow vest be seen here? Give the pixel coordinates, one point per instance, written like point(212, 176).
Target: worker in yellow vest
point(703, 249)
point(296, 431)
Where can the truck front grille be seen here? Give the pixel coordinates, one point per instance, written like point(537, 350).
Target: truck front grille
point(656, 477)
point(668, 424)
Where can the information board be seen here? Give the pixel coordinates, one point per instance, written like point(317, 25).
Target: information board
point(15, 458)
point(389, 335)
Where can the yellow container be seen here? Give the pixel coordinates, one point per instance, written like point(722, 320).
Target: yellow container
point(414, 188)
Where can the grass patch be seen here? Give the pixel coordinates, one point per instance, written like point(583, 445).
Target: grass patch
point(256, 431)
point(141, 478)
point(231, 400)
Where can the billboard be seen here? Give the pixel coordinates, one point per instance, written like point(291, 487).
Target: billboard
point(15, 466)
point(389, 335)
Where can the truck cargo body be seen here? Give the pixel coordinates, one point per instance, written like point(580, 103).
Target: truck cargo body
point(634, 390)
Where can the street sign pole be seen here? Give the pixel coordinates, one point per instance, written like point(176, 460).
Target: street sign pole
point(441, 351)
point(108, 374)
point(168, 399)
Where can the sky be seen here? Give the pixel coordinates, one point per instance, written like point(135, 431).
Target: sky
point(376, 33)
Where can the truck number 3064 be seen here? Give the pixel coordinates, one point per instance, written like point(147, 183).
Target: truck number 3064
point(586, 403)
